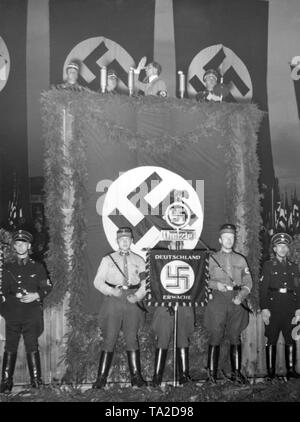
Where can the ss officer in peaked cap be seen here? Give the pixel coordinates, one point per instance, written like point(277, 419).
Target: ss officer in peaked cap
point(121, 279)
point(24, 286)
point(231, 283)
point(210, 79)
point(280, 303)
point(71, 83)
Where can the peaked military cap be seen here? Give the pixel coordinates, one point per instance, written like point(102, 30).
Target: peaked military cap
point(211, 72)
point(228, 228)
point(22, 235)
point(124, 231)
point(73, 65)
point(112, 74)
point(281, 238)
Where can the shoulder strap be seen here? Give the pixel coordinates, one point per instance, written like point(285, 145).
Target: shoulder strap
point(118, 267)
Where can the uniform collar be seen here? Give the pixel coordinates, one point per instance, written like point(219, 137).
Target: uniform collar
point(282, 261)
point(124, 253)
point(22, 261)
point(226, 253)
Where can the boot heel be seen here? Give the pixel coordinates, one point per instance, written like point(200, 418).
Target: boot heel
point(134, 364)
point(8, 369)
point(103, 369)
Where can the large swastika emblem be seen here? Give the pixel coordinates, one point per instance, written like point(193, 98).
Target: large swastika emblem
point(177, 277)
point(4, 64)
point(234, 72)
point(139, 198)
point(96, 52)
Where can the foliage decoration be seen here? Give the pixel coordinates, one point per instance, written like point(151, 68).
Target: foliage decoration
point(65, 167)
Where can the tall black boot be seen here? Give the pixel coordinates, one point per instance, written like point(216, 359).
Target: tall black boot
point(134, 363)
point(212, 362)
point(271, 360)
point(159, 366)
point(183, 365)
point(236, 363)
point(8, 369)
point(103, 369)
point(290, 360)
point(34, 367)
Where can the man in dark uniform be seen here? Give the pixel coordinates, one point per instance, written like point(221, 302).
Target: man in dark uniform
point(280, 303)
point(121, 278)
point(24, 286)
point(231, 282)
point(210, 79)
point(163, 328)
point(71, 83)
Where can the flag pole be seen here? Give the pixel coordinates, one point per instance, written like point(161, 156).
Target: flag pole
point(272, 208)
point(174, 345)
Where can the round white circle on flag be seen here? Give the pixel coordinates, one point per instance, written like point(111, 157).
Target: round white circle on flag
point(4, 64)
point(121, 204)
point(177, 277)
point(240, 75)
point(94, 53)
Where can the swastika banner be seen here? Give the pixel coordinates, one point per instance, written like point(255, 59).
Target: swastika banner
point(232, 37)
point(13, 99)
point(97, 33)
point(177, 277)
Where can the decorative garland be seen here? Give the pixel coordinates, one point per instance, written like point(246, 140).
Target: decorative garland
point(92, 111)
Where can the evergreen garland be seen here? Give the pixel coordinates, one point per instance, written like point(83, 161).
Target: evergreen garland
point(91, 111)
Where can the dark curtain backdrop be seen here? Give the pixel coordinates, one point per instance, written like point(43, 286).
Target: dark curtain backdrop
point(203, 160)
point(13, 117)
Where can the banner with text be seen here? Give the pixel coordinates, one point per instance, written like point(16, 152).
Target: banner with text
point(177, 277)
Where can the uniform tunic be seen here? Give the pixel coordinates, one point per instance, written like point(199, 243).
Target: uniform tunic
point(71, 87)
point(282, 275)
point(156, 87)
point(117, 313)
point(19, 277)
point(221, 313)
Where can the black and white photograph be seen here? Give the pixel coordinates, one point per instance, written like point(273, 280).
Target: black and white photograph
point(149, 203)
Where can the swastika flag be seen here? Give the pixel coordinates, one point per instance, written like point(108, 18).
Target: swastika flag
point(177, 277)
point(98, 33)
point(231, 37)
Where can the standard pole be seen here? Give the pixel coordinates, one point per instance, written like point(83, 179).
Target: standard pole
point(174, 345)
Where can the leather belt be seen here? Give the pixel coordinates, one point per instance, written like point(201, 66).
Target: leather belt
point(281, 290)
point(124, 286)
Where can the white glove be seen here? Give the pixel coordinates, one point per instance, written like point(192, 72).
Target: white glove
point(265, 313)
point(213, 97)
point(132, 298)
point(221, 287)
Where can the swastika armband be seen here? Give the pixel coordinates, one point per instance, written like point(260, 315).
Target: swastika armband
point(162, 93)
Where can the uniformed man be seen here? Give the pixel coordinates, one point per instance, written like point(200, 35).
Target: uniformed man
point(280, 303)
point(210, 79)
point(153, 84)
point(112, 81)
point(163, 328)
point(121, 279)
point(71, 82)
point(231, 282)
point(24, 286)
